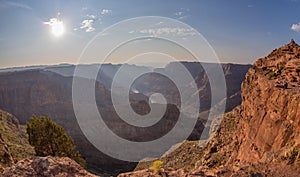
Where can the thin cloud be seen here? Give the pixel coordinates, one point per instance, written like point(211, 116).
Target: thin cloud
point(296, 27)
point(91, 16)
point(178, 13)
point(183, 17)
point(105, 11)
point(169, 31)
point(87, 25)
point(11, 4)
point(182, 13)
point(52, 21)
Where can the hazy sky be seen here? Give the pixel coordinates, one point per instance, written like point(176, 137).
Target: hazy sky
point(239, 30)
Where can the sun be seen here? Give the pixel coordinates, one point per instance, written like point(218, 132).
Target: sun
point(57, 28)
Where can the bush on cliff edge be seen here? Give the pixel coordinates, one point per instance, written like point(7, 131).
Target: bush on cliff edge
point(50, 139)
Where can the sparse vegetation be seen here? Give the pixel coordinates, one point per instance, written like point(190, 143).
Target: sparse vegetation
point(291, 154)
point(157, 166)
point(14, 135)
point(250, 171)
point(216, 160)
point(271, 75)
point(187, 155)
point(50, 139)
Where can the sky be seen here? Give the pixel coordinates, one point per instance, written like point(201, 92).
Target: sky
point(47, 32)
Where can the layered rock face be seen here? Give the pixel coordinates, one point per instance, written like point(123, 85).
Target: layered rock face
point(271, 103)
point(46, 167)
point(265, 129)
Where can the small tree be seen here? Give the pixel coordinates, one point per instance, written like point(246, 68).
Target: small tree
point(49, 138)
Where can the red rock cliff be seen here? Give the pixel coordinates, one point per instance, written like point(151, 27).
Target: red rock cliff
point(266, 126)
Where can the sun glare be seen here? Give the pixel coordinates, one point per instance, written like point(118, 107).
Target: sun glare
point(57, 28)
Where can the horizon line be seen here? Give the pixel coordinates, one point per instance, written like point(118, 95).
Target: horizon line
point(133, 64)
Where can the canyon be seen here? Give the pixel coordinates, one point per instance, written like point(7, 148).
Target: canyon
point(48, 91)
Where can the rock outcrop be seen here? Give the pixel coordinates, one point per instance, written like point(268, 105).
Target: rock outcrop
point(271, 113)
point(241, 171)
point(46, 167)
point(265, 128)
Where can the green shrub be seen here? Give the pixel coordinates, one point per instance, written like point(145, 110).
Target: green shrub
point(50, 139)
point(157, 165)
point(272, 75)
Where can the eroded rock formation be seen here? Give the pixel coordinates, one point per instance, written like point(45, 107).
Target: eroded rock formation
point(265, 128)
point(46, 167)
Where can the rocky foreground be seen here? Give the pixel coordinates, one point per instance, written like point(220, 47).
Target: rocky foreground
point(46, 167)
point(238, 171)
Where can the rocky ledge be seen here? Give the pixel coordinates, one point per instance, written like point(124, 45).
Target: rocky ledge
point(46, 167)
